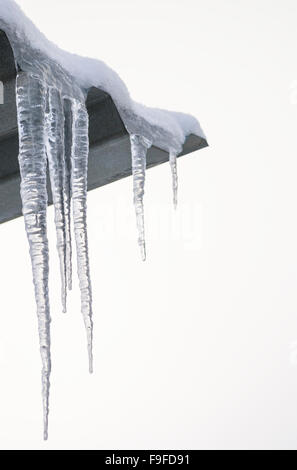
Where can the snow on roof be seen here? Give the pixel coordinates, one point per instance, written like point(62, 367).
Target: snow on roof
point(165, 129)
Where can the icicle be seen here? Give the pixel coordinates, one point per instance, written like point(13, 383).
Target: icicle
point(80, 152)
point(139, 148)
point(67, 188)
point(31, 104)
point(173, 164)
point(55, 153)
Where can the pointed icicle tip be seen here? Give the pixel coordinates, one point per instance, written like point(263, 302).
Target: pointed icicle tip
point(91, 360)
point(64, 304)
point(143, 252)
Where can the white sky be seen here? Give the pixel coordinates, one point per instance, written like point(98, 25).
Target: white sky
point(197, 348)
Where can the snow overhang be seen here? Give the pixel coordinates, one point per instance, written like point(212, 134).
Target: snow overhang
point(110, 149)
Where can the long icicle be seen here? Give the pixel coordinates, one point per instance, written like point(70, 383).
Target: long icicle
point(55, 154)
point(31, 96)
point(80, 152)
point(139, 148)
point(173, 164)
point(67, 188)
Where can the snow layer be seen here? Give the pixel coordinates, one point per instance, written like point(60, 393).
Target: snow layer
point(167, 130)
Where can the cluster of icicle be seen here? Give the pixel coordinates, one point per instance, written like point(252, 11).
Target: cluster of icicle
point(53, 133)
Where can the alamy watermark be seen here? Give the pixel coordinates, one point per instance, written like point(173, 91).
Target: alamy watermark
point(163, 224)
point(1, 93)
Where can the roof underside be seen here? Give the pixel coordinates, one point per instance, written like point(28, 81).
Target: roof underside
point(110, 153)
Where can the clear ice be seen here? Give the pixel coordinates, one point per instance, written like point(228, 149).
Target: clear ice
point(53, 135)
point(139, 148)
point(31, 101)
point(173, 164)
point(56, 162)
point(80, 153)
point(53, 139)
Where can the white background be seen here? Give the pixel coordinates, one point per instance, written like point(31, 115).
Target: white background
point(196, 348)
